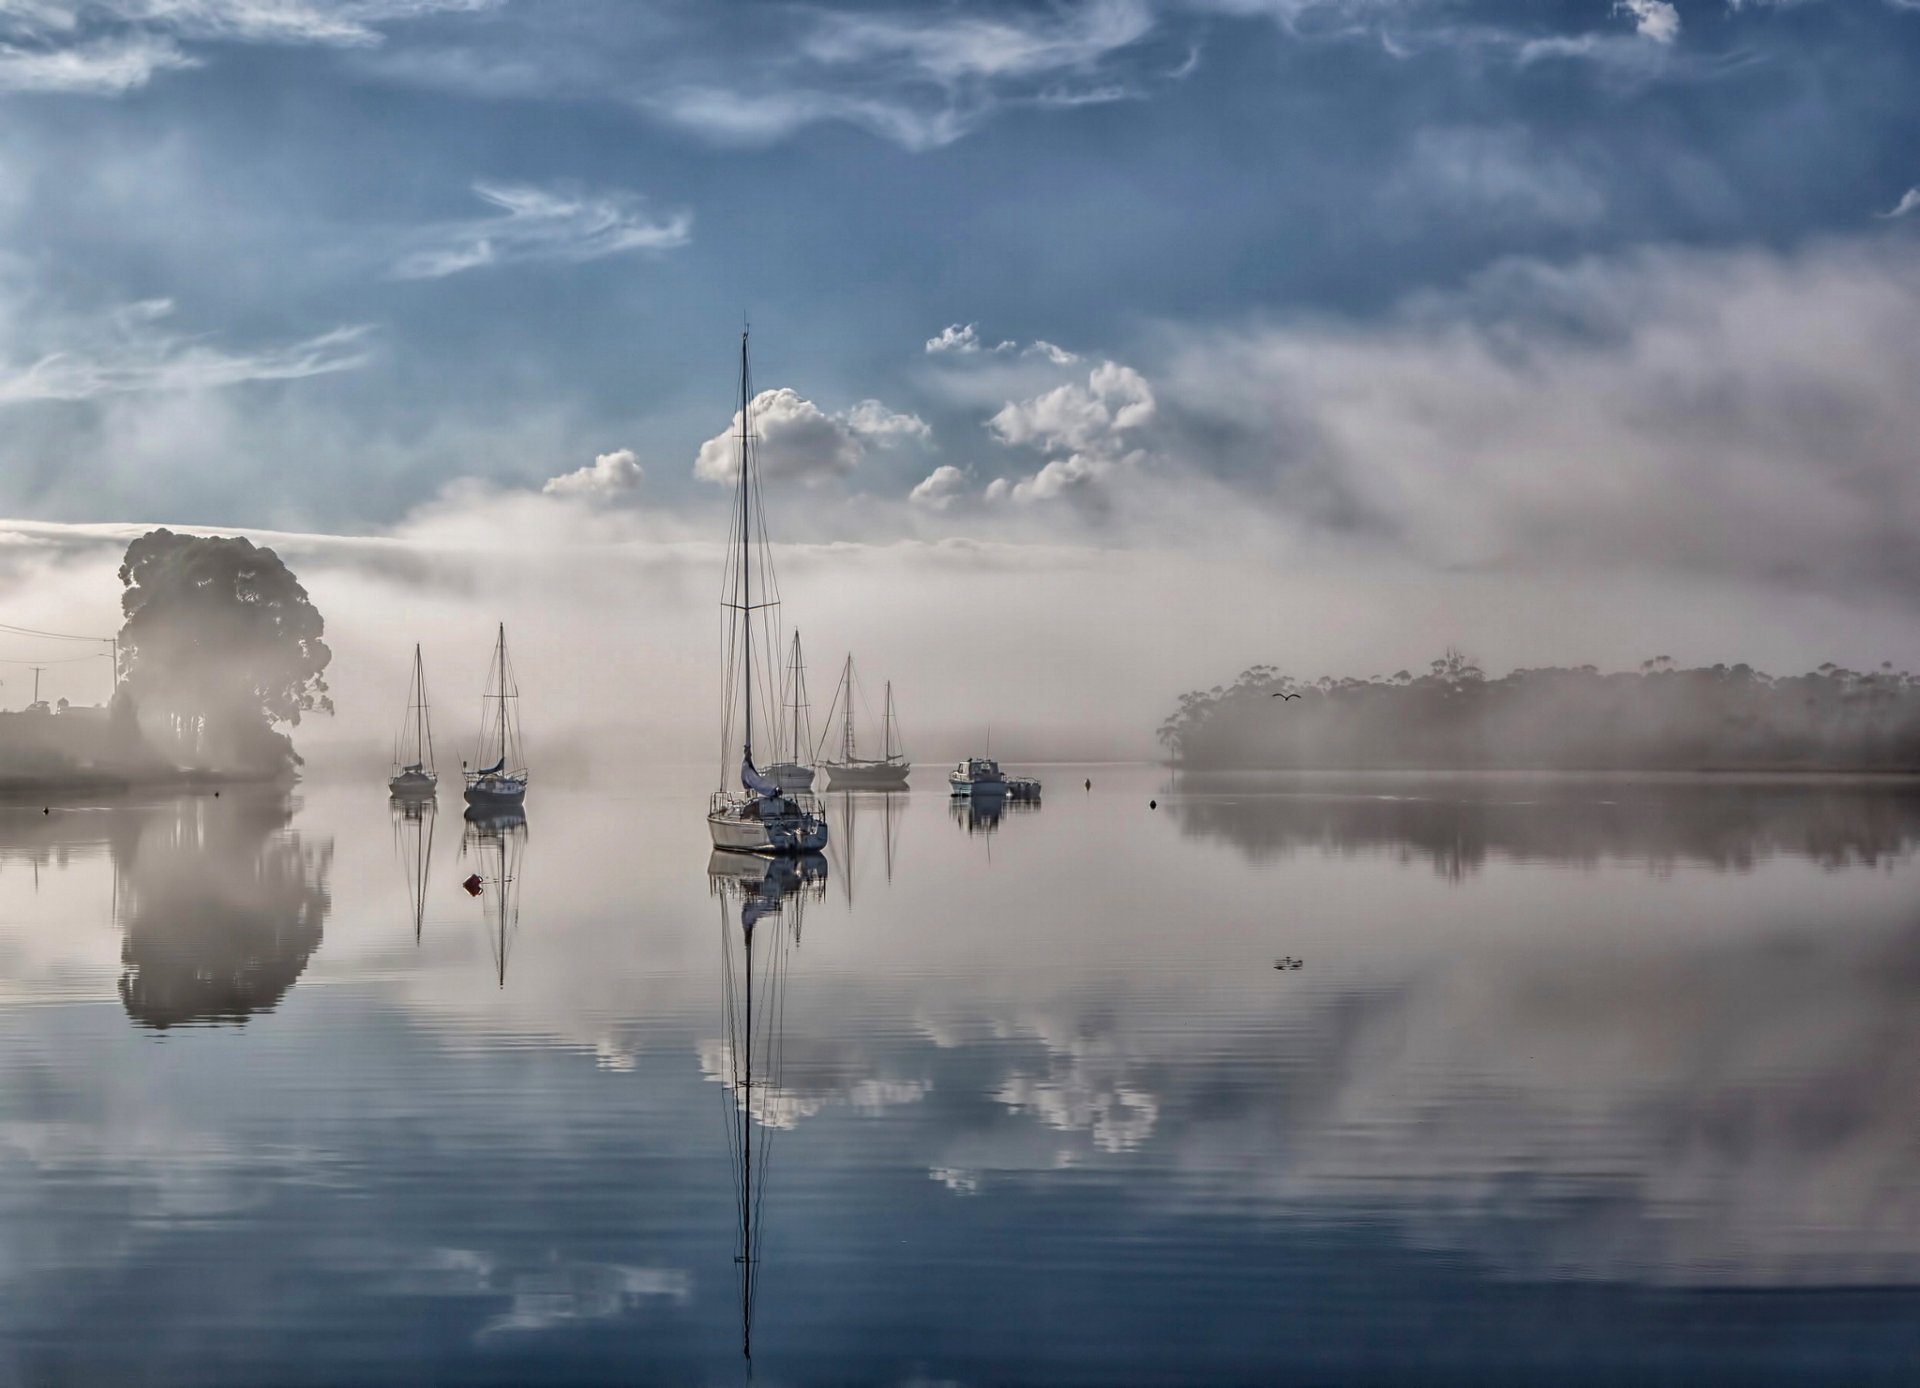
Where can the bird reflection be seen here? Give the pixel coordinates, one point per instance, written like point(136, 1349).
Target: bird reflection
point(413, 820)
point(497, 839)
point(761, 895)
point(849, 808)
point(220, 903)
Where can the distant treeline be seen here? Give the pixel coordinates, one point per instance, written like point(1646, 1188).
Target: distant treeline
point(1656, 718)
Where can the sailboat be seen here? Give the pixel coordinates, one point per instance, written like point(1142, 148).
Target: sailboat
point(796, 737)
point(759, 817)
point(413, 777)
point(502, 783)
point(852, 771)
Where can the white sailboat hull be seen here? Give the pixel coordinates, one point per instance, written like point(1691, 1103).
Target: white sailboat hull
point(867, 775)
point(738, 826)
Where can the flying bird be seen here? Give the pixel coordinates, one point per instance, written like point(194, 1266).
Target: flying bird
point(1283, 696)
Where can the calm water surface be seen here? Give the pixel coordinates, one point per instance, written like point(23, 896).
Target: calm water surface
point(1576, 1081)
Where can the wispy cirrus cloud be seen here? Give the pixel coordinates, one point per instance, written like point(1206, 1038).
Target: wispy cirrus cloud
point(542, 224)
point(133, 351)
point(111, 47)
point(1909, 202)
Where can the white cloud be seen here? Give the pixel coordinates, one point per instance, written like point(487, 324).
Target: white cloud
point(801, 442)
point(1079, 418)
point(536, 224)
point(132, 352)
point(955, 337)
point(798, 441)
point(100, 67)
point(879, 425)
point(1654, 19)
point(938, 489)
point(609, 476)
point(1909, 200)
point(1059, 356)
point(958, 47)
point(110, 47)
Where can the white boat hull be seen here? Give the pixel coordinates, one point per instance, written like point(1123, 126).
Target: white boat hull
point(983, 789)
point(737, 829)
point(867, 775)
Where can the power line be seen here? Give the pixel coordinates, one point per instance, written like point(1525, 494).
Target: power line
point(51, 635)
point(63, 660)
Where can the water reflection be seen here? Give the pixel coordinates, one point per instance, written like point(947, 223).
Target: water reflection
point(981, 813)
point(759, 893)
point(1458, 823)
point(221, 903)
point(858, 813)
point(413, 823)
point(494, 843)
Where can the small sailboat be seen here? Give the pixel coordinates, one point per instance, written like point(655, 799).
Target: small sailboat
point(759, 817)
point(795, 772)
point(413, 777)
point(502, 783)
point(852, 771)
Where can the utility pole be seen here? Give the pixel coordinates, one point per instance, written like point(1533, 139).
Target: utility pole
point(36, 681)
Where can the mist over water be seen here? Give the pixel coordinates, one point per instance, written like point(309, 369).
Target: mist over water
point(1591, 1076)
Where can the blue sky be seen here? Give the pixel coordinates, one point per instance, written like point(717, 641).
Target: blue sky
point(536, 227)
point(1559, 291)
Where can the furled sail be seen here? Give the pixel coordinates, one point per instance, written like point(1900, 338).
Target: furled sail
point(754, 781)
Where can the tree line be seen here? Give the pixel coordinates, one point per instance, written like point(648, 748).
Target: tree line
point(1719, 717)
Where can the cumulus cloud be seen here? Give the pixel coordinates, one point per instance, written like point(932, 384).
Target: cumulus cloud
point(801, 442)
point(539, 224)
point(879, 425)
point(938, 488)
point(1654, 19)
point(609, 476)
point(1089, 418)
point(955, 337)
point(133, 351)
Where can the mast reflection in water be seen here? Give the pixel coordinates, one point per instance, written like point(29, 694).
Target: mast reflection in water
point(497, 840)
point(762, 901)
point(413, 820)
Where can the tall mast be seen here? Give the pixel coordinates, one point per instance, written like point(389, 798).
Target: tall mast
point(746, 554)
point(886, 726)
point(846, 734)
point(500, 650)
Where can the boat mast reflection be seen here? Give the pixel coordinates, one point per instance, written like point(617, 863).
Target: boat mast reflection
point(498, 839)
point(413, 820)
point(850, 806)
point(759, 893)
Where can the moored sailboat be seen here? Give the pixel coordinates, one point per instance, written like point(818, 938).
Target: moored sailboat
point(759, 816)
point(502, 783)
point(854, 772)
point(413, 775)
point(794, 734)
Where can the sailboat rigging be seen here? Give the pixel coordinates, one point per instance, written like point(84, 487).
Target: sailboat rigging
point(413, 775)
point(760, 816)
point(502, 782)
point(793, 736)
point(499, 840)
point(852, 771)
point(413, 843)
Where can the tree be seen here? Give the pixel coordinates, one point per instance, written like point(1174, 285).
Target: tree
point(221, 643)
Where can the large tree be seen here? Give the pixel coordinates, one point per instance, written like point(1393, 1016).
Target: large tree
point(221, 643)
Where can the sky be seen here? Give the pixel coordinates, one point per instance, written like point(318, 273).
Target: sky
point(1108, 346)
